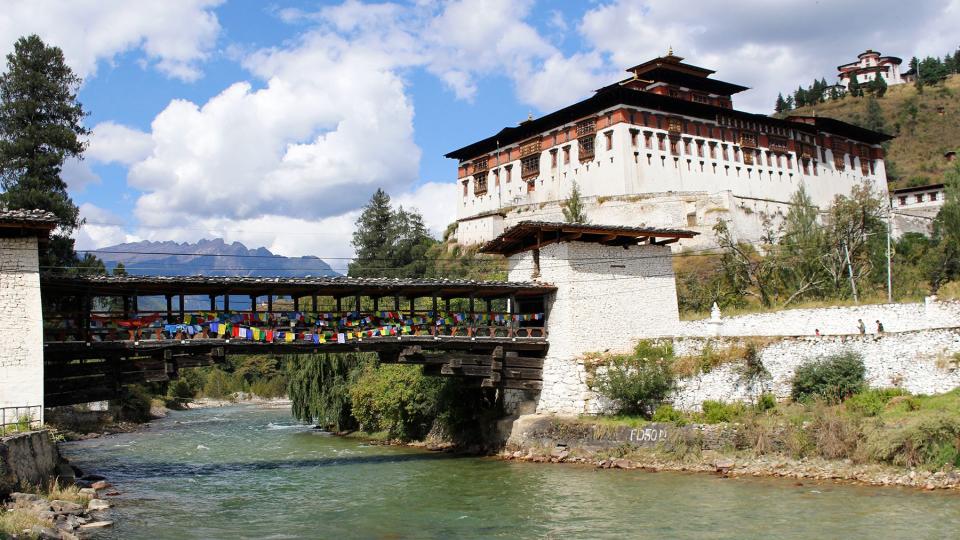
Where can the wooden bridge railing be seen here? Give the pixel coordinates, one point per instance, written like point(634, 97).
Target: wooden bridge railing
point(280, 327)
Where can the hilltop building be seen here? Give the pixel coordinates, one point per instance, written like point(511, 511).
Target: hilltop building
point(869, 66)
point(661, 148)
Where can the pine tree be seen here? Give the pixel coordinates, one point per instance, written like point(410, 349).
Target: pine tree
point(854, 87)
point(573, 211)
point(878, 86)
point(781, 104)
point(389, 243)
point(874, 120)
point(790, 103)
point(40, 126)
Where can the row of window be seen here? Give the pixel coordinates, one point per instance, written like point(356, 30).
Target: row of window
point(931, 197)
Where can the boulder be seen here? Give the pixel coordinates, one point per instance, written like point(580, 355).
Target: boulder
point(723, 465)
point(98, 504)
point(24, 497)
point(66, 507)
point(96, 525)
point(88, 492)
point(100, 484)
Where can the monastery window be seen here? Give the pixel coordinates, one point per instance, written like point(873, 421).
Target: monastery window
point(779, 161)
point(686, 147)
point(713, 150)
point(699, 148)
point(903, 200)
point(736, 154)
point(815, 173)
point(609, 136)
point(586, 127)
point(509, 169)
point(466, 183)
point(823, 154)
point(496, 177)
point(530, 166)
point(770, 159)
point(864, 167)
point(806, 167)
point(586, 148)
point(674, 147)
point(698, 98)
point(919, 198)
point(933, 196)
point(648, 139)
point(553, 158)
point(675, 93)
point(634, 133)
point(661, 142)
point(872, 171)
point(566, 155)
point(748, 156)
point(480, 183)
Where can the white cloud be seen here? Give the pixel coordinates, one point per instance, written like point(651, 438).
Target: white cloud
point(769, 46)
point(102, 229)
point(115, 143)
point(434, 201)
point(175, 36)
point(78, 175)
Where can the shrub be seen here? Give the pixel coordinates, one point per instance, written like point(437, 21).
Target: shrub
point(766, 401)
point(666, 413)
point(715, 412)
point(832, 378)
point(219, 384)
point(133, 405)
point(637, 384)
point(654, 349)
point(270, 388)
point(397, 399)
point(873, 402)
point(684, 443)
point(835, 435)
point(932, 441)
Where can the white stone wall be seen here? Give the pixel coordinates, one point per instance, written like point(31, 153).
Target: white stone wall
point(831, 321)
point(21, 324)
point(915, 361)
point(606, 298)
point(630, 169)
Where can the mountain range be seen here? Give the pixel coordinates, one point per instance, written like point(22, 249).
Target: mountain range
point(209, 258)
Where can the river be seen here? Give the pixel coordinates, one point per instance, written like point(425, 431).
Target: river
point(244, 472)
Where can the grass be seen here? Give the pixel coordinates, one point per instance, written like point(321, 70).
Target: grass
point(715, 355)
point(20, 519)
point(887, 426)
point(923, 133)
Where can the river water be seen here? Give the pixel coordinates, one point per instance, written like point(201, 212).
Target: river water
point(244, 472)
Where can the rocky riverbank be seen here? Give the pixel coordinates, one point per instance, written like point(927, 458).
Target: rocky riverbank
point(710, 449)
point(746, 465)
point(64, 512)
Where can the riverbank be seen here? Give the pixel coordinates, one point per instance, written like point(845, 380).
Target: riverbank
point(695, 448)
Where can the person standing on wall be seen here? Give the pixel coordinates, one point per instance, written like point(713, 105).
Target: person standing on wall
point(879, 327)
point(860, 325)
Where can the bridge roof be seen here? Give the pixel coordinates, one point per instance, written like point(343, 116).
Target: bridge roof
point(528, 235)
point(304, 286)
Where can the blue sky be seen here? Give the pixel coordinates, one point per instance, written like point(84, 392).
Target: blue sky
point(272, 123)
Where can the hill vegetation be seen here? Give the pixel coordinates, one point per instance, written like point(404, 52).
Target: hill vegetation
point(925, 121)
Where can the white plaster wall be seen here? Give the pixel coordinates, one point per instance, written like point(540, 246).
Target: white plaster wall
point(606, 298)
point(629, 168)
point(21, 324)
point(906, 360)
point(832, 320)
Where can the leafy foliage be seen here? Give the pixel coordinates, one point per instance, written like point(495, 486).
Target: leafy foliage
point(397, 399)
point(320, 388)
point(573, 210)
point(638, 382)
point(832, 378)
point(40, 126)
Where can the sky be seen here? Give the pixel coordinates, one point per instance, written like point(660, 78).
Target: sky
point(272, 123)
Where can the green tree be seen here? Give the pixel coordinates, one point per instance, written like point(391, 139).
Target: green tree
point(801, 272)
point(856, 236)
point(388, 242)
point(874, 120)
point(878, 86)
point(746, 270)
point(781, 104)
point(573, 211)
point(40, 127)
point(854, 88)
point(944, 260)
point(319, 388)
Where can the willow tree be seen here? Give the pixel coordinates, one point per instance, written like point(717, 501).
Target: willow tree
point(40, 127)
point(319, 388)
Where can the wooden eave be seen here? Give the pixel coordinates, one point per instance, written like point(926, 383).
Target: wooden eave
point(526, 236)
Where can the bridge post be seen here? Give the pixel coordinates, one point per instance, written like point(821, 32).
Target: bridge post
point(169, 299)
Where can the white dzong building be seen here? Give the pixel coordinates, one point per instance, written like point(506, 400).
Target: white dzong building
point(662, 148)
point(870, 65)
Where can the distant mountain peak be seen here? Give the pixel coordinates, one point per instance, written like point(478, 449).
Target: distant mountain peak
point(210, 257)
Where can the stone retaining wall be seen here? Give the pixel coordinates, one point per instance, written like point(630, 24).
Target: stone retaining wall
point(920, 362)
point(927, 315)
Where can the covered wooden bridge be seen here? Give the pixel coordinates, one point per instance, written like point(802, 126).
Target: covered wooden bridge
point(101, 332)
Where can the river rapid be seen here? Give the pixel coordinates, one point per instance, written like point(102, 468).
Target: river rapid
point(245, 472)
